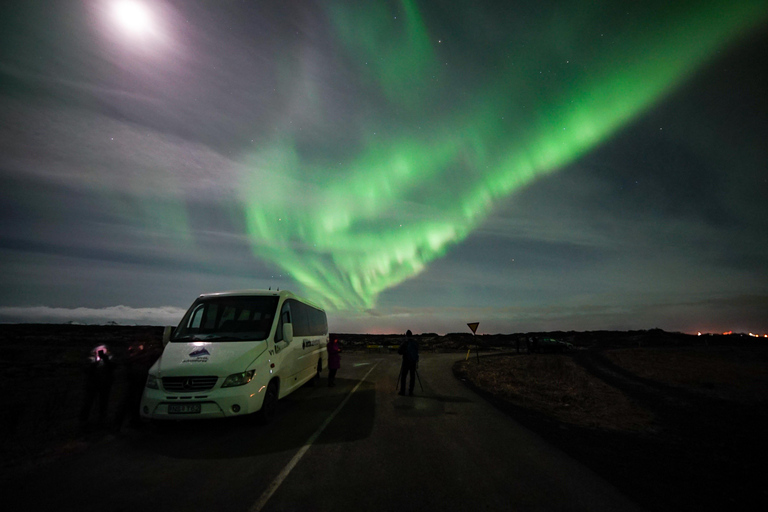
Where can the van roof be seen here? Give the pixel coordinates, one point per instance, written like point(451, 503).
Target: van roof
point(262, 293)
point(274, 293)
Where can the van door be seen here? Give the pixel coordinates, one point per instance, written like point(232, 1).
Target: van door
point(288, 353)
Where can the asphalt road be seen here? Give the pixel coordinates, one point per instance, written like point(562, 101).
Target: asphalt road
point(357, 446)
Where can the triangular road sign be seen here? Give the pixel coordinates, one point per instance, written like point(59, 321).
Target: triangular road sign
point(473, 326)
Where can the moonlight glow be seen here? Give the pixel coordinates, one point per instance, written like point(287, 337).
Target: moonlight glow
point(133, 17)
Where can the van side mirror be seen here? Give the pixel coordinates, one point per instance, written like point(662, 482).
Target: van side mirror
point(288, 333)
point(167, 334)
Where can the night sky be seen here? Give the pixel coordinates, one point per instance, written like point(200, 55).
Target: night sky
point(529, 165)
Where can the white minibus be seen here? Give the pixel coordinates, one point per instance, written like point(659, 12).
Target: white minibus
point(236, 353)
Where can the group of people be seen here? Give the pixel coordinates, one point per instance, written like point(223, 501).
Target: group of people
point(409, 349)
point(99, 378)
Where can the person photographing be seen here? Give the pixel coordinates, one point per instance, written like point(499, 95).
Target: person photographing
point(409, 349)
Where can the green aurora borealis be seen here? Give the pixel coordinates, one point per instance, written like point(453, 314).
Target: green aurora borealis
point(457, 140)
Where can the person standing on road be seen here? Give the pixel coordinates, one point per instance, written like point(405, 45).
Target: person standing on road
point(409, 349)
point(334, 361)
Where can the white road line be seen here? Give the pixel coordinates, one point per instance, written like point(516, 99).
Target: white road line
point(296, 458)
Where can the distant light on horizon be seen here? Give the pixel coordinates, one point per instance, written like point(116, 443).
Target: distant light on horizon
point(729, 333)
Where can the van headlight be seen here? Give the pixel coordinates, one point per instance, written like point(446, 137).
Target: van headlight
point(238, 379)
point(152, 382)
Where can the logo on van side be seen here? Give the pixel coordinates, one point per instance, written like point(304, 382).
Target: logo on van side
point(198, 356)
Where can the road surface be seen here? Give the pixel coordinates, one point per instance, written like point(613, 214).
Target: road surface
point(358, 446)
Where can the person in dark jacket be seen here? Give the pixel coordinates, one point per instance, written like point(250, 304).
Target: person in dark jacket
point(98, 384)
point(334, 361)
point(139, 359)
point(409, 349)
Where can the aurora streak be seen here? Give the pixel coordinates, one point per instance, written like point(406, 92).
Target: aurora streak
point(409, 190)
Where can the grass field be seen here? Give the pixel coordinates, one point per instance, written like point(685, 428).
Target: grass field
point(674, 427)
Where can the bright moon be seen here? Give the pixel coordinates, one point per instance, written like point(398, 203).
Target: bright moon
point(133, 16)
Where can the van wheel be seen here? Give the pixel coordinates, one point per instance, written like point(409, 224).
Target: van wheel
point(319, 369)
point(269, 407)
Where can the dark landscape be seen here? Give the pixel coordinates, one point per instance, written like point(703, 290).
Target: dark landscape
point(676, 422)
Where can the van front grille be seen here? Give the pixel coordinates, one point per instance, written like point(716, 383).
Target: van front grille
point(185, 384)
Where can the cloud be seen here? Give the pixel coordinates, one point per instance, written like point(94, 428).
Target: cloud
point(166, 315)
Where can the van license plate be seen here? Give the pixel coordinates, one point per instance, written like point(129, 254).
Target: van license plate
point(184, 409)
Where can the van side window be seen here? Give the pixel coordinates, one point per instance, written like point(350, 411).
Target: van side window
point(306, 320)
point(318, 322)
point(300, 319)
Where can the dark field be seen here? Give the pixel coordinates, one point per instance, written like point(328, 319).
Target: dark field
point(680, 427)
point(42, 374)
point(676, 422)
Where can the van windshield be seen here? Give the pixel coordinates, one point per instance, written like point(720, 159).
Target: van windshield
point(230, 318)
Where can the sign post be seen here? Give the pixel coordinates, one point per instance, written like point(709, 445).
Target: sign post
point(473, 326)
